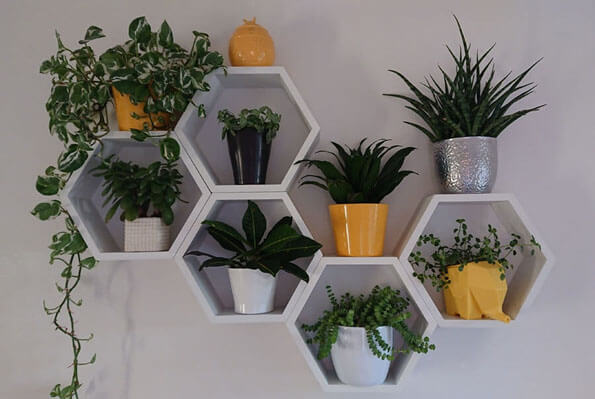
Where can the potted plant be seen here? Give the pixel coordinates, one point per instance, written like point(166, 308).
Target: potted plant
point(471, 271)
point(145, 196)
point(464, 114)
point(154, 78)
point(249, 137)
point(257, 259)
point(357, 332)
point(358, 184)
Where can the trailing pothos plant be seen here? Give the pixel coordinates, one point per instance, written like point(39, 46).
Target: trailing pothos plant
point(360, 176)
point(79, 118)
point(282, 245)
point(470, 102)
point(140, 191)
point(262, 119)
point(382, 307)
point(152, 69)
point(466, 248)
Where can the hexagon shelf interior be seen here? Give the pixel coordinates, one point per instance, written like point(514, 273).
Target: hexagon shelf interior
point(248, 87)
point(437, 214)
point(357, 276)
point(82, 197)
point(211, 286)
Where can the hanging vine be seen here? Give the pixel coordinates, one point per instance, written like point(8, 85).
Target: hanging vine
point(81, 83)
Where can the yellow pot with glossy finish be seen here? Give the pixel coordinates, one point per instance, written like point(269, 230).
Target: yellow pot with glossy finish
point(476, 292)
point(125, 108)
point(251, 45)
point(359, 228)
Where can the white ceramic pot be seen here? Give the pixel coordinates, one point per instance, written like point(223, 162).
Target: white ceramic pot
point(253, 291)
point(354, 362)
point(146, 235)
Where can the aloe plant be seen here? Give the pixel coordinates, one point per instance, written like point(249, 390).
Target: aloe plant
point(470, 103)
point(359, 177)
point(270, 254)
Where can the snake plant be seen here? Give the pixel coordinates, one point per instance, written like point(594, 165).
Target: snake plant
point(470, 103)
point(359, 177)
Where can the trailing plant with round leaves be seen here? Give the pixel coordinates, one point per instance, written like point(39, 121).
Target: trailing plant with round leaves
point(78, 118)
point(466, 248)
point(262, 119)
point(470, 103)
point(271, 254)
point(360, 176)
point(139, 191)
point(382, 307)
point(152, 69)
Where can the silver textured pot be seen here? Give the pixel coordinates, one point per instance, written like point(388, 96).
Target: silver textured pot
point(467, 165)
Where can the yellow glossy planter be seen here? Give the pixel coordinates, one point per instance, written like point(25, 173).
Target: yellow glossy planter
point(125, 108)
point(359, 228)
point(476, 292)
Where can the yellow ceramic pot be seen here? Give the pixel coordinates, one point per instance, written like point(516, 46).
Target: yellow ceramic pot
point(251, 45)
point(476, 292)
point(359, 228)
point(125, 108)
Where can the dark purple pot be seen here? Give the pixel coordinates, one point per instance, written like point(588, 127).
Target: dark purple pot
point(249, 155)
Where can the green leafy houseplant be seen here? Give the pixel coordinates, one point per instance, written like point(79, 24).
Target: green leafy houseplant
point(470, 102)
point(466, 248)
point(152, 68)
point(382, 307)
point(263, 119)
point(281, 246)
point(138, 190)
point(360, 176)
point(78, 118)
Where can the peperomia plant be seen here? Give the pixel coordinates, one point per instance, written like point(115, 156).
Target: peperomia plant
point(139, 191)
point(360, 176)
point(382, 307)
point(152, 68)
point(470, 103)
point(262, 119)
point(466, 248)
point(271, 254)
point(78, 118)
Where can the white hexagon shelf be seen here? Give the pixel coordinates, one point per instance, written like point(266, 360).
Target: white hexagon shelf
point(249, 87)
point(82, 198)
point(437, 214)
point(211, 286)
point(357, 276)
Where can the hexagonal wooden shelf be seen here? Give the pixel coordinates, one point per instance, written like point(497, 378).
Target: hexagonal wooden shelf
point(357, 276)
point(211, 286)
point(248, 87)
point(82, 198)
point(437, 214)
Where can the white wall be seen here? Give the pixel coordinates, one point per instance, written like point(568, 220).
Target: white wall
point(152, 338)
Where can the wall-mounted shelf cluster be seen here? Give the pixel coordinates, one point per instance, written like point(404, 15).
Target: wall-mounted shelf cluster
point(204, 156)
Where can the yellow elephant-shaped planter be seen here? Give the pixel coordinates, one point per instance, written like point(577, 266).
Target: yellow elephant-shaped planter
point(476, 292)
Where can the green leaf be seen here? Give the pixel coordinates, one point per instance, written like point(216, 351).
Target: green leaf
point(72, 159)
point(140, 30)
point(254, 224)
point(93, 32)
point(277, 238)
point(297, 271)
point(166, 37)
point(216, 262)
point(226, 241)
point(89, 263)
point(47, 210)
point(296, 248)
point(167, 215)
point(170, 149)
point(76, 245)
point(47, 185)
